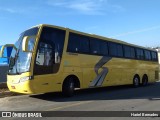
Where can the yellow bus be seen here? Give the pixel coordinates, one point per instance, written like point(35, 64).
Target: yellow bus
point(48, 58)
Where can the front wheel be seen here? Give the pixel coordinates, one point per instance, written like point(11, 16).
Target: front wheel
point(68, 87)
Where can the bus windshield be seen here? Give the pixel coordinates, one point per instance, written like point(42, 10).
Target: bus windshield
point(19, 60)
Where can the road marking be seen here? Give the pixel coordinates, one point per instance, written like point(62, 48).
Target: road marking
point(70, 105)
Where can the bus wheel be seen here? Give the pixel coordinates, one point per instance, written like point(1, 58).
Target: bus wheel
point(144, 80)
point(136, 81)
point(68, 87)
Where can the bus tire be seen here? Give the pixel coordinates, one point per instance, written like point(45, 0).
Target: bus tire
point(144, 80)
point(68, 87)
point(136, 81)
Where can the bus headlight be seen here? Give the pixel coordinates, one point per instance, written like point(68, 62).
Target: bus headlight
point(23, 79)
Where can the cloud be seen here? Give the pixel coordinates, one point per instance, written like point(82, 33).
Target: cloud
point(137, 31)
point(20, 10)
point(92, 7)
point(9, 10)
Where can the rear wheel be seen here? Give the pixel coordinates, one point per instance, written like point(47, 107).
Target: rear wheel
point(145, 80)
point(136, 81)
point(68, 87)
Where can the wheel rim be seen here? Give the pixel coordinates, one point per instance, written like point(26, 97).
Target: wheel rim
point(136, 81)
point(145, 81)
point(71, 86)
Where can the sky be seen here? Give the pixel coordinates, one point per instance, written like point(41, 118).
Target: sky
point(132, 21)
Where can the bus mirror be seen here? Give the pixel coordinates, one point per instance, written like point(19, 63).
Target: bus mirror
point(28, 43)
point(4, 48)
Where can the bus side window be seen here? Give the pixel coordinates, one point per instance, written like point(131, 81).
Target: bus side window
point(94, 46)
point(147, 54)
point(49, 51)
point(112, 49)
point(129, 52)
point(154, 56)
point(45, 55)
point(98, 47)
point(140, 54)
point(73, 43)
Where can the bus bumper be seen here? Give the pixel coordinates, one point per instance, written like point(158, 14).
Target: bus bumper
point(24, 87)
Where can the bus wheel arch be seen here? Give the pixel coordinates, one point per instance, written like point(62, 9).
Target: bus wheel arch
point(136, 80)
point(69, 84)
point(144, 80)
